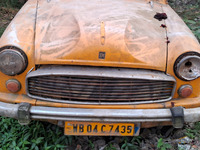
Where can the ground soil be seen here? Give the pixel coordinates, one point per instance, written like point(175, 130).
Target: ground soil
point(6, 15)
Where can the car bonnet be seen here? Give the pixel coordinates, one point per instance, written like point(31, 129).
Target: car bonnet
point(114, 33)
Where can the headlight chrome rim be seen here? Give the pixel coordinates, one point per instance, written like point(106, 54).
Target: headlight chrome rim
point(186, 66)
point(13, 61)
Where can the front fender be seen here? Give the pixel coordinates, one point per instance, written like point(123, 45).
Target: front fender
point(21, 34)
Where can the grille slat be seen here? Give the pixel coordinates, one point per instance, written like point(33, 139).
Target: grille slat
point(107, 87)
point(94, 99)
point(105, 92)
point(69, 88)
point(104, 96)
point(72, 89)
point(111, 80)
point(63, 82)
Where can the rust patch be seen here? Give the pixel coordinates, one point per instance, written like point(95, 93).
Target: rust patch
point(172, 103)
point(163, 26)
point(160, 16)
point(168, 42)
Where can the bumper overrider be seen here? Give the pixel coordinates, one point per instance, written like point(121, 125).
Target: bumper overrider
point(24, 112)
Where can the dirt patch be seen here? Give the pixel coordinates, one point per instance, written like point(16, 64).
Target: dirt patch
point(6, 15)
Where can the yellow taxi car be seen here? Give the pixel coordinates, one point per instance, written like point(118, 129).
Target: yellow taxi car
point(100, 67)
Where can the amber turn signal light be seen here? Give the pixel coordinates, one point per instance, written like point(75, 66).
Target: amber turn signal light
point(13, 85)
point(185, 91)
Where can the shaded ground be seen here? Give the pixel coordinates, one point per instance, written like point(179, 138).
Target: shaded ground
point(39, 135)
point(6, 15)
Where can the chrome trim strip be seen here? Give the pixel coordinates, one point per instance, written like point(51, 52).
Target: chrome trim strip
point(111, 115)
point(8, 110)
point(99, 119)
point(104, 115)
point(100, 72)
point(30, 70)
point(101, 115)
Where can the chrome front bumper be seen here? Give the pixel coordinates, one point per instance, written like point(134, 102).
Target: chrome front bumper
point(102, 115)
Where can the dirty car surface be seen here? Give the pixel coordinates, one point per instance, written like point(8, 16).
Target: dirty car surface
point(100, 67)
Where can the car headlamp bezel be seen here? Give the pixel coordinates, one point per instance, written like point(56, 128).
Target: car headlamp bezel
point(187, 59)
point(17, 61)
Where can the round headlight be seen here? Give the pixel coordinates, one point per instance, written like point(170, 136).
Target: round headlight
point(12, 62)
point(187, 66)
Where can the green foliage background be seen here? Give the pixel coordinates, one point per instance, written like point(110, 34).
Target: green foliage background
point(35, 136)
point(11, 3)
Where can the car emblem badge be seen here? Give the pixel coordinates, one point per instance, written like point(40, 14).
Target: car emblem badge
point(102, 55)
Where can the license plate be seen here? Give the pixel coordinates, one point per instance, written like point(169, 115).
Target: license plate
point(103, 129)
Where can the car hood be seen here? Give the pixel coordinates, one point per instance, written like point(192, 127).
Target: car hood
point(114, 33)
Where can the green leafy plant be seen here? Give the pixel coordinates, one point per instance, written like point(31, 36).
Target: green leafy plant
point(194, 132)
point(190, 18)
point(110, 147)
point(11, 3)
point(163, 145)
point(37, 135)
point(1, 31)
point(131, 144)
point(136, 140)
point(91, 145)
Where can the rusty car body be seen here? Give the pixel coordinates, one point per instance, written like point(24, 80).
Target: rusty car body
point(100, 62)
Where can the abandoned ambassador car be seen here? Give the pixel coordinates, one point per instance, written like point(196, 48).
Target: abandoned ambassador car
point(100, 67)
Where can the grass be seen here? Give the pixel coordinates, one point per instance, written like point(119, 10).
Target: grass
point(37, 135)
point(131, 143)
point(41, 135)
point(163, 145)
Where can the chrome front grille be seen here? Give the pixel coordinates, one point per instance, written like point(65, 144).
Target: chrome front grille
point(98, 86)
